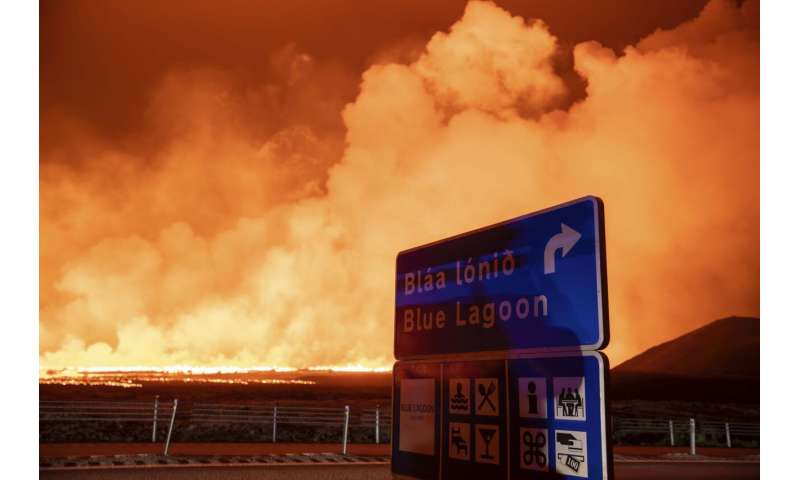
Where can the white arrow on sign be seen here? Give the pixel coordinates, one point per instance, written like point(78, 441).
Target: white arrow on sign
point(565, 241)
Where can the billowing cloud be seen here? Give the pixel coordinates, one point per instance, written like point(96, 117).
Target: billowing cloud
point(228, 245)
point(491, 61)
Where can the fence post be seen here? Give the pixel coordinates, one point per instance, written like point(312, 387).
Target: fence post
point(692, 449)
point(171, 422)
point(274, 422)
point(671, 434)
point(346, 425)
point(611, 427)
point(377, 424)
point(155, 419)
point(728, 434)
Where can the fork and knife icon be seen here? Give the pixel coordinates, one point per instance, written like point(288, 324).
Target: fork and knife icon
point(485, 394)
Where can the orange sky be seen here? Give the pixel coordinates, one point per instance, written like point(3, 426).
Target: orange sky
point(229, 186)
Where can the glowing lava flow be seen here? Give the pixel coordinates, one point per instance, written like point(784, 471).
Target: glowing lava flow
point(137, 376)
point(350, 368)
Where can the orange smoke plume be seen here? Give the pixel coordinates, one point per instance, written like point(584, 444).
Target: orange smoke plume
point(221, 244)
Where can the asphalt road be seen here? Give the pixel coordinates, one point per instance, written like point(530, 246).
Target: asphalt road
point(292, 472)
point(624, 471)
point(696, 470)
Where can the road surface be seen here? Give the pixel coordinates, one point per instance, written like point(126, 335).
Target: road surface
point(624, 471)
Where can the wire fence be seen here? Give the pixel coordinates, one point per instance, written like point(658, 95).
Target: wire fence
point(339, 422)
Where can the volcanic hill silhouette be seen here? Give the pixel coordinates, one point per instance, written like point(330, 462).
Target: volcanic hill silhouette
point(717, 362)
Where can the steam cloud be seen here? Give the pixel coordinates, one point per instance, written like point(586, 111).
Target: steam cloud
point(226, 246)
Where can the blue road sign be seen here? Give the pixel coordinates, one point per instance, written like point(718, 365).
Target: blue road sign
point(527, 416)
point(534, 283)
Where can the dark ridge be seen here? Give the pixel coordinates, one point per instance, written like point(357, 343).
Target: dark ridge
point(725, 348)
point(718, 362)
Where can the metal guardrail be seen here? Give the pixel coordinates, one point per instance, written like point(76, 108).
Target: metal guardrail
point(276, 415)
point(378, 419)
point(108, 411)
point(685, 427)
